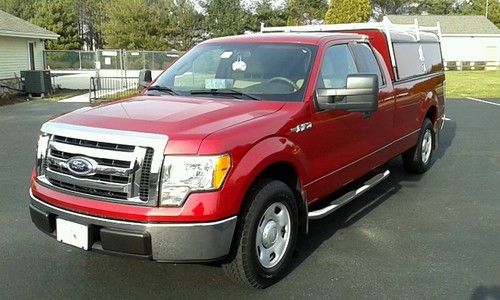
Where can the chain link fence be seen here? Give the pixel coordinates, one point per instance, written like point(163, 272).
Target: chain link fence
point(109, 59)
point(73, 69)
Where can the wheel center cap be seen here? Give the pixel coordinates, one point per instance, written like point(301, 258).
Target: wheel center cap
point(269, 234)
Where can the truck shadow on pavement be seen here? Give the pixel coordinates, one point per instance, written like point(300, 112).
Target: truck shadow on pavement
point(486, 293)
point(323, 229)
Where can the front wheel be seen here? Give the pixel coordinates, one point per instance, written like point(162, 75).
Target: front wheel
point(417, 160)
point(266, 237)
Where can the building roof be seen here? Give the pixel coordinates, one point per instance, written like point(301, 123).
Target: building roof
point(15, 27)
point(451, 24)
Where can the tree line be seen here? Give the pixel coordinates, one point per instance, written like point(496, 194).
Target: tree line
point(179, 24)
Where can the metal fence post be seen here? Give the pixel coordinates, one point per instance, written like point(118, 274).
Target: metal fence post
point(125, 64)
point(80, 58)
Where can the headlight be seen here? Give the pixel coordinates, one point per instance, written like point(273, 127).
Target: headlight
point(182, 175)
point(41, 153)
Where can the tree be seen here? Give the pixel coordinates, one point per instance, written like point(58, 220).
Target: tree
point(434, 7)
point(133, 24)
point(151, 24)
point(224, 17)
point(303, 12)
point(91, 16)
point(478, 7)
point(60, 17)
point(387, 7)
point(348, 11)
point(186, 25)
point(267, 14)
point(24, 9)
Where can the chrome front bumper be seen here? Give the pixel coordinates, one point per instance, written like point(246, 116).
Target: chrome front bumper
point(171, 242)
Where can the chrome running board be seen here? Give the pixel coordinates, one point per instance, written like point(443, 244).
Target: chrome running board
point(346, 198)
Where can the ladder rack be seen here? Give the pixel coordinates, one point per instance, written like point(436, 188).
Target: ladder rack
point(385, 25)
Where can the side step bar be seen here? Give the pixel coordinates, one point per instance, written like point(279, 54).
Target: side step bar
point(346, 198)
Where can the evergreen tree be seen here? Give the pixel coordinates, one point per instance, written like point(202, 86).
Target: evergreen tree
point(478, 7)
point(348, 11)
point(388, 7)
point(60, 17)
point(267, 14)
point(151, 24)
point(129, 25)
point(303, 12)
point(91, 16)
point(24, 9)
point(435, 7)
point(224, 17)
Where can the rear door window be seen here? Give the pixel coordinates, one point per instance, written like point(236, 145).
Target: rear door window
point(367, 61)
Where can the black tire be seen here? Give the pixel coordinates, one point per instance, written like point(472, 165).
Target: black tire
point(243, 264)
point(414, 159)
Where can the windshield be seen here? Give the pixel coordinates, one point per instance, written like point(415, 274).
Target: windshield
point(268, 71)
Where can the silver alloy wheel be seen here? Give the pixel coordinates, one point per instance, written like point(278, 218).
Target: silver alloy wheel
point(273, 235)
point(426, 146)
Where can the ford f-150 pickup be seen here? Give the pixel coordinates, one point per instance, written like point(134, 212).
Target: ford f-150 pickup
point(229, 153)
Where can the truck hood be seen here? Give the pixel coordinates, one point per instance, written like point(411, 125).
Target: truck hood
point(180, 118)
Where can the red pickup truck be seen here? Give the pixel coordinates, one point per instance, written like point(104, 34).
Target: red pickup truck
point(229, 153)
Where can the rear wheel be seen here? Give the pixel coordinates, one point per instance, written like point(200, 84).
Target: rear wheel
point(417, 160)
point(266, 236)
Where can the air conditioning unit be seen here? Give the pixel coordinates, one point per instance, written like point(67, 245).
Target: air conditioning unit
point(37, 81)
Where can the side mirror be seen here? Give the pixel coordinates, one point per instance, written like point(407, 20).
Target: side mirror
point(144, 78)
point(360, 95)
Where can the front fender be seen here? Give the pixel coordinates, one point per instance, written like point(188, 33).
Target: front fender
point(252, 163)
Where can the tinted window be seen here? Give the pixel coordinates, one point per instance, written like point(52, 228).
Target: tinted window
point(337, 64)
point(368, 63)
point(414, 59)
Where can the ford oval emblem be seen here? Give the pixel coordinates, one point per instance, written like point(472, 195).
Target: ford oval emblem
point(81, 165)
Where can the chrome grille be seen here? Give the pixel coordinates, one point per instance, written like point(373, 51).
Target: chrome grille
point(121, 172)
point(146, 175)
point(93, 144)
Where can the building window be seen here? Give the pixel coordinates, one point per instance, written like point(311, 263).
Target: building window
point(31, 55)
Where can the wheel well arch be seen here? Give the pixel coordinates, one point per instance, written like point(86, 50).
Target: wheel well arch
point(431, 114)
point(286, 172)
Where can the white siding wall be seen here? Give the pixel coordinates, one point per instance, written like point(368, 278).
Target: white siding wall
point(466, 48)
point(14, 56)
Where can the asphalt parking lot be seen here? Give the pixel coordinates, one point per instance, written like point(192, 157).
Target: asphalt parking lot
point(411, 237)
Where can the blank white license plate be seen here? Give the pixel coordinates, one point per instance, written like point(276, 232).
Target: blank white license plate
point(72, 233)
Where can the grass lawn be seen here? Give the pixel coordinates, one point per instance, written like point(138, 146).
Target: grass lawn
point(64, 93)
point(56, 96)
point(477, 84)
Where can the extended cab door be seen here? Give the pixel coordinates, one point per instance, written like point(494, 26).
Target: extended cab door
point(343, 144)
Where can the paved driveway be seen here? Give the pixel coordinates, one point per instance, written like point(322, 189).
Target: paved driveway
point(432, 236)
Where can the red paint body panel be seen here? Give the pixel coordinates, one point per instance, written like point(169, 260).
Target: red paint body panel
point(340, 147)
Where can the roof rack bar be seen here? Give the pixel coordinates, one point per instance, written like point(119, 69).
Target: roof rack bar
point(386, 24)
point(417, 31)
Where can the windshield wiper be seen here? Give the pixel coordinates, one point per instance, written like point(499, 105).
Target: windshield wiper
point(161, 88)
point(230, 92)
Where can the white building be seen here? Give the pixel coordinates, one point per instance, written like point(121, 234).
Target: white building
point(464, 38)
point(21, 48)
